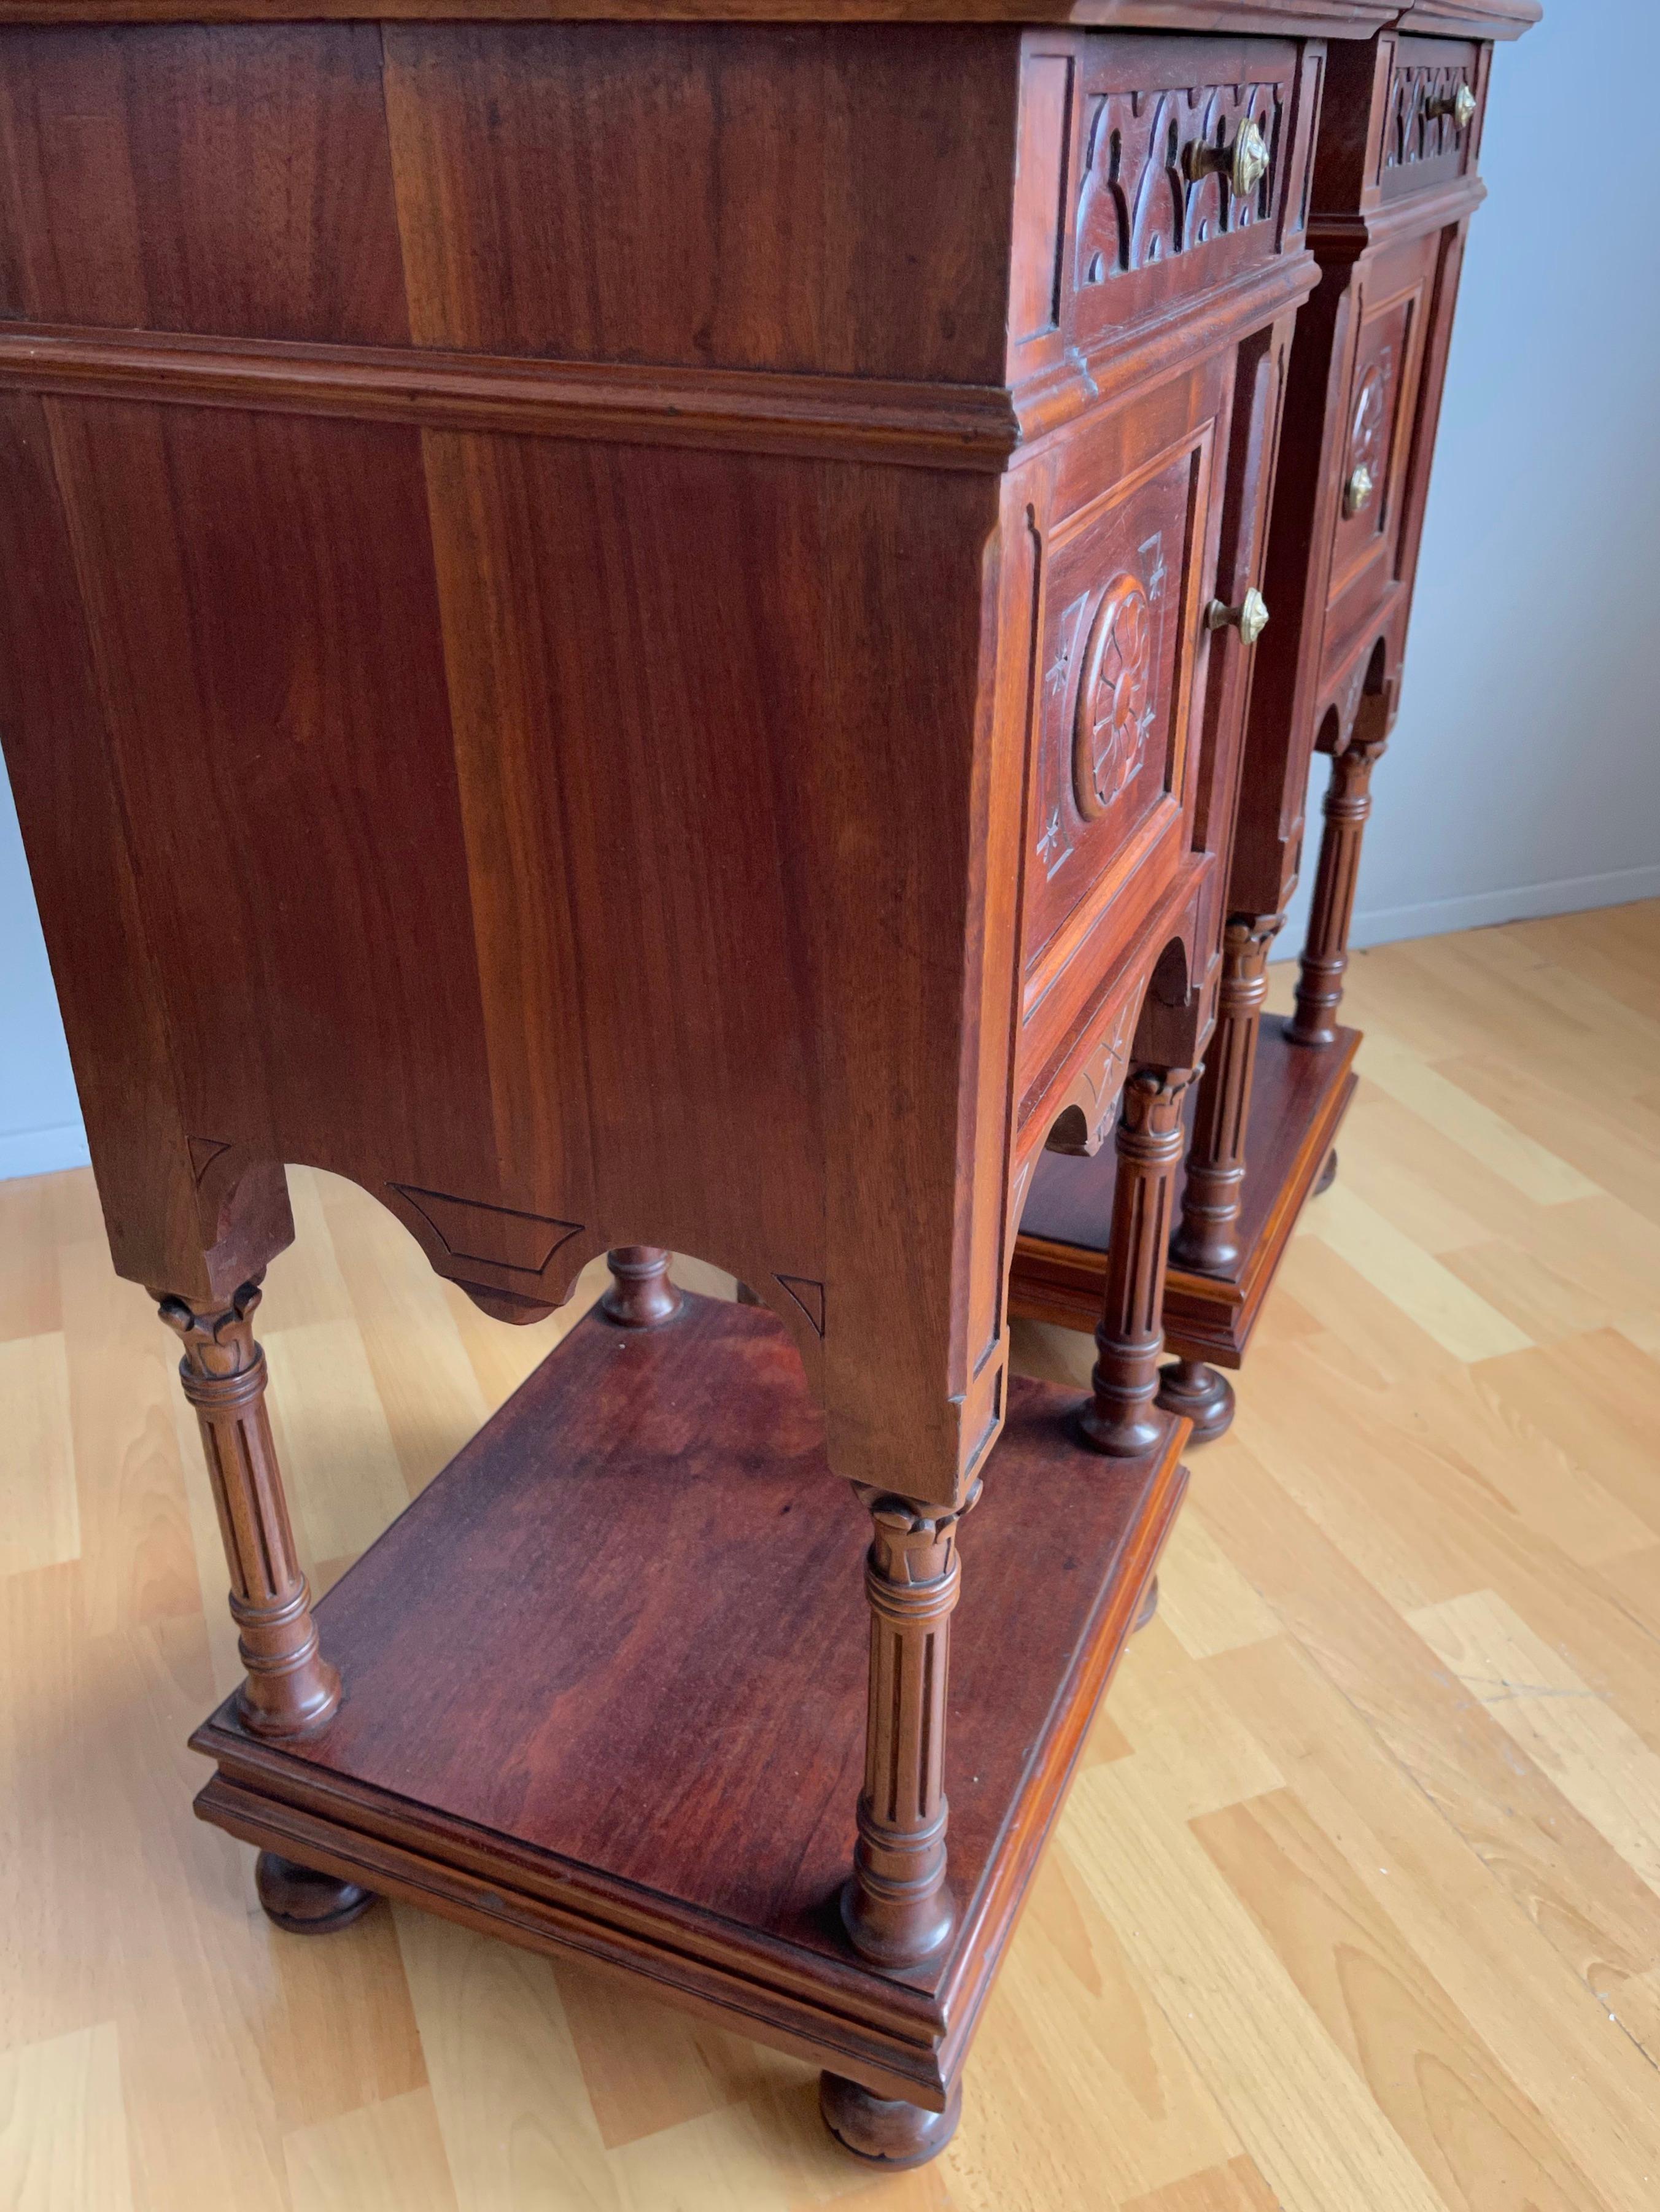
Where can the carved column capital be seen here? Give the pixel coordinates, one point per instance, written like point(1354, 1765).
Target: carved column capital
point(913, 1544)
point(218, 1344)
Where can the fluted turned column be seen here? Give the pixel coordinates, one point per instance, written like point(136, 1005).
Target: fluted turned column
point(1207, 1238)
point(1120, 1418)
point(1326, 955)
point(290, 1689)
point(897, 1907)
point(641, 1294)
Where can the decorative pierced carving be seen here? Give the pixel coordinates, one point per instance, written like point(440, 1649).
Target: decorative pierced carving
point(1423, 122)
point(1082, 1122)
point(896, 1908)
point(1140, 202)
point(1116, 704)
point(290, 1689)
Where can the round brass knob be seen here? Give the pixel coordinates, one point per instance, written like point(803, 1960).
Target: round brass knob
point(1459, 103)
point(1245, 164)
point(1357, 491)
point(1249, 617)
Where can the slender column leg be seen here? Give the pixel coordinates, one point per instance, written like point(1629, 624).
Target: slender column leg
point(290, 1689)
point(1326, 955)
point(641, 1295)
point(1208, 1236)
point(895, 1906)
point(1119, 1418)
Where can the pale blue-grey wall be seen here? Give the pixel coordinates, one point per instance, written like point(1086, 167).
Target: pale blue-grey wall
point(1525, 774)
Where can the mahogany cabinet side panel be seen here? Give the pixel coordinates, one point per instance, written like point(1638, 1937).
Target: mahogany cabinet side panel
point(69, 806)
point(837, 200)
point(232, 178)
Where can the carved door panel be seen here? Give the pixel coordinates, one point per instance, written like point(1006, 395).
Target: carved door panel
point(1125, 573)
point(1376, 431)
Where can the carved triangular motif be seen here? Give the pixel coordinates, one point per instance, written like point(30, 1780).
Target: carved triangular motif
point(808, 1295)
point(203, 1151)
point(496, 1236)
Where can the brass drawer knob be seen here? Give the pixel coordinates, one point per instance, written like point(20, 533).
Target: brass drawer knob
point(1357, 491)
point(1458, 101)
point(1249, 617)
point(1245, 164)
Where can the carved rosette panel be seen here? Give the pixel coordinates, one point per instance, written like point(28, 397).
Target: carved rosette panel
point(1111, 693)
point(1138, 205)
point(1369, 428)
point(1116, 704)
point(1413, 135)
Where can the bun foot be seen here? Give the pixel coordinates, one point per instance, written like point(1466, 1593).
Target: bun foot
point(1201, 1394)
point(1147, 1607)
point(886, 2131)
point(1327, 1175)
point(305, 1902)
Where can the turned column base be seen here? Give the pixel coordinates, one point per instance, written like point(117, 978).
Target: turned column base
point(305, 1902)
point(1201, 1394)
point(885, 2131)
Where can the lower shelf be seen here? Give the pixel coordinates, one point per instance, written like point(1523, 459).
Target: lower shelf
point(605, 1689)
point(1299, 1098)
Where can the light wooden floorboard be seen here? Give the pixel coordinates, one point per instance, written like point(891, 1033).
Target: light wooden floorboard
point(1356, 1905)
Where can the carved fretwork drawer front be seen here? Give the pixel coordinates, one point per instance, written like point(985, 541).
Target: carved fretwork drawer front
point(1152, 171)
point(1432, 122)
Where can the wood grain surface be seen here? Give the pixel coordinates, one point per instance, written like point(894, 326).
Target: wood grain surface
point(1354, 1905)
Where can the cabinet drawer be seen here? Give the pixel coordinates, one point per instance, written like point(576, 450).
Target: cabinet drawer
point(1432, 116)
point(1131, 198)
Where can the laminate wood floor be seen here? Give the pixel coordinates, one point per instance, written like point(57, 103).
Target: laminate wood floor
point(1356, 1903)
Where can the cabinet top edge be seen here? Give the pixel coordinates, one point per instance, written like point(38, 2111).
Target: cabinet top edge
point(1338, 19)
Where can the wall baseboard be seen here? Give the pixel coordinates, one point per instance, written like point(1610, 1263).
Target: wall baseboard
point(1387, 925)
point(42, 1152)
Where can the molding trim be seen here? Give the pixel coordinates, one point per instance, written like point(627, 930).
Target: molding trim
point(43, 1151)
point(954, 426)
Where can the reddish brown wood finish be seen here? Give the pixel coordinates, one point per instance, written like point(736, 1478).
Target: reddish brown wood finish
point(1120, 1418)
point(1393, 186)
point(1297, 1100)
point(896, 1906)
point(1325, 955)
point(641, 1295)
point(303, 1902)
point(1207, 1236)
point(647, 1746)
point(887, 2131)
point(290, 1690)
point(634, 592)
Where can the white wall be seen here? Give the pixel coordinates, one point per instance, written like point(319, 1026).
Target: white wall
point(1525, 774)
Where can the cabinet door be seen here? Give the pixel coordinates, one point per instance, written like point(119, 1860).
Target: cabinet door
point(1376, 434)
